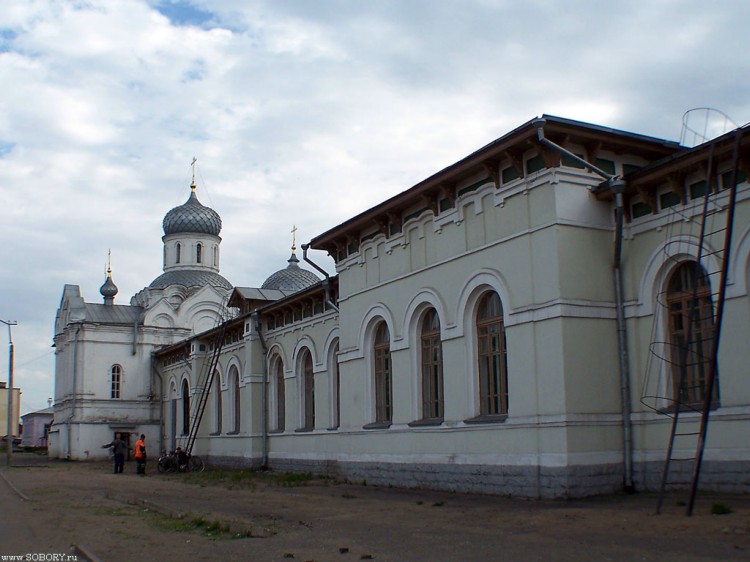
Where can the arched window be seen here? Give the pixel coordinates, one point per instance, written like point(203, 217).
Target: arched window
point(234, 381)
point(308, 399)
point(382, 372)
point(216, 256)
point(432, 367)
point(492, 358)
point(217, 402)
point(115, 379)
point(178, 252)
point(280, 396)
point(199, 253)
point(335, 387)
point(691, 331)
point(185, 408)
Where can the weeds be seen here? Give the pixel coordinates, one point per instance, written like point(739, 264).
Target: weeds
point(720, 508)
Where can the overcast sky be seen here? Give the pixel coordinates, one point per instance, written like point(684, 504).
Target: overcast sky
point(300, 113)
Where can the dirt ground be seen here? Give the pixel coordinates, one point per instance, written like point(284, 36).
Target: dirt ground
point(219, 515)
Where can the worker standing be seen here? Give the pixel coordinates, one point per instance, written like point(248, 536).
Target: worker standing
point(140, 455)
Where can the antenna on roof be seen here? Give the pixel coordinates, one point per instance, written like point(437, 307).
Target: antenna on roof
point(702, 124)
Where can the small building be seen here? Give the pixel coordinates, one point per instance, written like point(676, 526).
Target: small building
point(36, 427)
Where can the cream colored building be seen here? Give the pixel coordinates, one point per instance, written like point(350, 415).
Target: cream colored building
point(494, 328)
point(470, 339)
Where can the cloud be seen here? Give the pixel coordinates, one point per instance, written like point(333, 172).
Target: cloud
point(299, 113)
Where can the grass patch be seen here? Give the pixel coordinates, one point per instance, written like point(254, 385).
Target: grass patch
point(215, 529)
point(291, 479)
point(248, 478)
point(720, 508)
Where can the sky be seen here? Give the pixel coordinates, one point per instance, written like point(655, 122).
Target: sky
point(299, 112)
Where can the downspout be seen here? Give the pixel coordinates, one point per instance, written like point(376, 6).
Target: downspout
point(73, 399)
point(264, 395)
point(135, 336)
point(326, 280)
point(617, 186)
point(156, 372)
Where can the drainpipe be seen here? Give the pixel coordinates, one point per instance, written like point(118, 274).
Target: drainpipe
point(264, 395)
point(135, 336)
point(617, 186)
point(326, 281)
point(73, 398)
point(156, 372)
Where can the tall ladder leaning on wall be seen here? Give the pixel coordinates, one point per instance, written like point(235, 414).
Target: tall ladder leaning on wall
point(206, 376)
point(715, 226)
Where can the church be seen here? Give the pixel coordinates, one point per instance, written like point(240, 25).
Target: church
point(541, 319)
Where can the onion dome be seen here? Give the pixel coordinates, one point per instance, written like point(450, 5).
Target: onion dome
point(291, 278)
point(192, 216)
point(109, 289)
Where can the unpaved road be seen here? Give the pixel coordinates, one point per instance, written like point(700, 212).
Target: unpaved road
point(48, 506)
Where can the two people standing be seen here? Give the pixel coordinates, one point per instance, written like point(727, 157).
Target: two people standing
point(120, 448)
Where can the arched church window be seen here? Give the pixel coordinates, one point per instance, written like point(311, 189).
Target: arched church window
point(432, 366)
point(115, 378)
point(178, 252)
point(492, 356)
point(234, 381)
point(217, 402)
point(280, 401)
point(185, 408)
point(308, 398)
point(335, 385)
point(383, 376)
point(216, 256)
point(691, 331)
point(199, 253)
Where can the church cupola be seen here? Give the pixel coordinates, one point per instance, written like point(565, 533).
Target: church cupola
point(109, 289)
point(292, 277)
point(191, 245)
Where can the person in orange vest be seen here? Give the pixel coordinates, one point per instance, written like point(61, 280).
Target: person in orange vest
point(140, 456)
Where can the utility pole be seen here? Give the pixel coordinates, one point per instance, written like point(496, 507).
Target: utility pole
point(9, 443)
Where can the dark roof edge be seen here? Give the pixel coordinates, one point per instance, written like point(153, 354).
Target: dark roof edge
point(475, 157)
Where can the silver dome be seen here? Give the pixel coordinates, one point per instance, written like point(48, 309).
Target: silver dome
point(291, 278)
point(192, 217)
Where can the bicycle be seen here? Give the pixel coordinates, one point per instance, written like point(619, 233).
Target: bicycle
point(179, 461)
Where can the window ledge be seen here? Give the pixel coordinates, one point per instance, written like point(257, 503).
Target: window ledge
point(377, 425)
point(233, 432)
point(336, 428)
point(275, 432)
point(426, 422)
point(487, 418)
point(215, 433)
point(304, 430)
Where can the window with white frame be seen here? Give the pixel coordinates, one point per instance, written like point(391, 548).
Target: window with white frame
point(115, 379)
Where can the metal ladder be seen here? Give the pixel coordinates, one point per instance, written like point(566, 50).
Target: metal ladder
point(205, 380)
point(683, 429)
